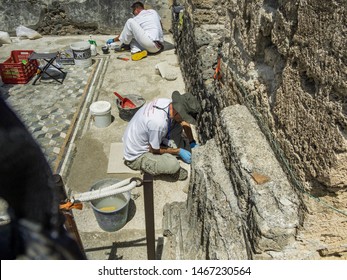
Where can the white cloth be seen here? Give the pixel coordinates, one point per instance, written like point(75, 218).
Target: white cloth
point(147, 127)
point(142, 30)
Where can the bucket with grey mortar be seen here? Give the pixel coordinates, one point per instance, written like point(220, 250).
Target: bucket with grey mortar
point(110, 212)
point(127, 113)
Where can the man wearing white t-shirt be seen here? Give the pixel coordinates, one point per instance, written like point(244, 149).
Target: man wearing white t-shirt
point(153, 138)
point(143, 32)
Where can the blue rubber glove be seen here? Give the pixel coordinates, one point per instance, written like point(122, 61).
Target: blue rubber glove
point(109, 41)
point(185, 155)
point(193, 144)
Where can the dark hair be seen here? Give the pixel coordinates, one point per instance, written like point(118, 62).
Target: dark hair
point(137, 5)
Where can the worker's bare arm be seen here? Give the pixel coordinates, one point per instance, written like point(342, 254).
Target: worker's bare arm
point(161, 151)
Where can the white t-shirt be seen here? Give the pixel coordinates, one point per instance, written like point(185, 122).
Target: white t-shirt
point(147, 127)
point(149, 20)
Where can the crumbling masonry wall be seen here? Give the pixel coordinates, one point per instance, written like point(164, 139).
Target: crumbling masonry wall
point(68, 17)
point(286, 62)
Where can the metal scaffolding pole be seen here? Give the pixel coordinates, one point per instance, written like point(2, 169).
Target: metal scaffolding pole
point(149, 214)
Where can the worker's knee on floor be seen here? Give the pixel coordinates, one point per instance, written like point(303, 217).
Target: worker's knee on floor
point(160, 164)
point(149, 166)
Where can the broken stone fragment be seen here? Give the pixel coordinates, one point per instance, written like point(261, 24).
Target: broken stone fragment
point(260, 178)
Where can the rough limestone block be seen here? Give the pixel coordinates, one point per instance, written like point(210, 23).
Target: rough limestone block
point(272, 212)
point(215, 220)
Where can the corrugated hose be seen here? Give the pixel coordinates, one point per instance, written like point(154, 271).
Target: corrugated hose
point(120, 187)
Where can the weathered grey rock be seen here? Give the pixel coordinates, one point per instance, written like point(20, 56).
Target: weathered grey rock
point(281, 60)
point(215, 220)
point(284, 61)
point(85, 16)
point(230, 213)
point(209, 226)
point(271, 207)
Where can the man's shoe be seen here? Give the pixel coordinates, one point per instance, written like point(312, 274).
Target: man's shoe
point(122, 48)
point(139, 55)
point(180, 175)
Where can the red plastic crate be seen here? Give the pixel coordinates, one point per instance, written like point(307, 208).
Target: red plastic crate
point(17, 69)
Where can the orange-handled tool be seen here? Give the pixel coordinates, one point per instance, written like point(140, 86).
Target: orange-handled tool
point(122, 58)
point(125, 102)
point(217, 74)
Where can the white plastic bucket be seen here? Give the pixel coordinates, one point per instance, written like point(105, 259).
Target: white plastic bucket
point(101, 111)
point(82, 54)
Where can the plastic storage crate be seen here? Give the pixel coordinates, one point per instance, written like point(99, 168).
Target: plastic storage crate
point(17, 69)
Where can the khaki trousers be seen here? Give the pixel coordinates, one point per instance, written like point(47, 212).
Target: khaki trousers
point(155, 164)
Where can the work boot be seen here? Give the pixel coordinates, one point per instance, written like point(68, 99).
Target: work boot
point(122, 48)
point(139, 55)
point(180, 175)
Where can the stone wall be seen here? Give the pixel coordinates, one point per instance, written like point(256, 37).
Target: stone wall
point(285, 61)
point(68, 17)
point(244, 209)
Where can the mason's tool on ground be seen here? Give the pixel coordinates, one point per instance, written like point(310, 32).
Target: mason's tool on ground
point(125, 102)
point(122, 58)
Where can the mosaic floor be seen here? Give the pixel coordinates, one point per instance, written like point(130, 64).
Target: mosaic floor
point(48, 108)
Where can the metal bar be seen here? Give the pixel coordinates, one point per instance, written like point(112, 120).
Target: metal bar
point(149, 214)
point(70, 223)
point(49, 58)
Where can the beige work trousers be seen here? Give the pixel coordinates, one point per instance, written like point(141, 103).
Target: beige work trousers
point(155, 164)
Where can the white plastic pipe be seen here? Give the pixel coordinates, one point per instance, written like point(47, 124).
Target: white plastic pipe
point(120, 187)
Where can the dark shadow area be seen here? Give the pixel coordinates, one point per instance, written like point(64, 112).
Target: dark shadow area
point(55, 77)
point(320, 190)
point(168, 46)
point(113, 248)
point(131, 210)
point(113, 253)
point(160, 247)
point(5, 91)
point(165, 177)
point(141, 242)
